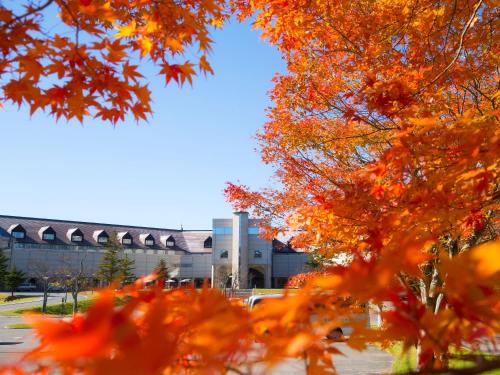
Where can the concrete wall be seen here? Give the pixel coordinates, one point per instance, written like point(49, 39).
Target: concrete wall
point(183, 265)
point(288, 264)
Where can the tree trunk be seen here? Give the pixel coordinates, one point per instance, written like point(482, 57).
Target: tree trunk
point(75, 303)
point(74, 294)
point(44, 305)
point(45, 297)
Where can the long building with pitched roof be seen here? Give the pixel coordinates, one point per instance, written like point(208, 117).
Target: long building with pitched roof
point(230, 254)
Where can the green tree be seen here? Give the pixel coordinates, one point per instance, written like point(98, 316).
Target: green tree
point(126, 270)
point(162, 270)
point(4, 261)
point(109, 267)
point(14, 278)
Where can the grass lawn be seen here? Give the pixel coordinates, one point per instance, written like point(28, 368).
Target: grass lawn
point(406, 362)
point(19, 326)
point(272, 291)
point(7, 298)
point(54, 309)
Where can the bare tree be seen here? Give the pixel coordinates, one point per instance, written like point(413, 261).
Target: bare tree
point(76, 279)
point(45, 275)
point(222, 277)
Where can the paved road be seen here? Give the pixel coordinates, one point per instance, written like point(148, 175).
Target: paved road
point(370, 361)
point(53, 299)
point(14, 342)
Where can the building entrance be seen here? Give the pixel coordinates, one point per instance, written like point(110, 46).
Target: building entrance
point(255, 278)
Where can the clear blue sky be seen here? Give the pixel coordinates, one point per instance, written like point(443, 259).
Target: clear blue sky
point(164, 173)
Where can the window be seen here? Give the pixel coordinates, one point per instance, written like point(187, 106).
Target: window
point(76, 238)
point(224, 254)
point(18, 234)
point(253, 230)
point(168, 240)
point(125, 238)
point(257, 254)
point(47, 236)
point(74, 235)
point(47, 233)
point(149, 242)
point(208, 243)
point(102, 239)
point(100, 236)
point(17, 231)
point(223, 230)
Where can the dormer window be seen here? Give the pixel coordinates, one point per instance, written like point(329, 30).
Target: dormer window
point(47, 233)
point(147, 239)
point(75, 235)
point(224, 254)
point(169, 241)
point(208, 243)
point(76, 238)
point(17, 231)
point(125, 238)
point(101, 237)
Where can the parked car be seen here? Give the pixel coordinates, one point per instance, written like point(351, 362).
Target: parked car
point(254, 300)
point(56, 287)
point(335, 334)
point(26, 286)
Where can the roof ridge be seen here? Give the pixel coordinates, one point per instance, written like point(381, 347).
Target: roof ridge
point(94, 223)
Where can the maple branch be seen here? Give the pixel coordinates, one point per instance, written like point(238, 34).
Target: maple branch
point(460, 44)
point(77, 25)
point(29, 13)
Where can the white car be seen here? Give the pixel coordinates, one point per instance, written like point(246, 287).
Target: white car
point(336, 334)
point(254, 300)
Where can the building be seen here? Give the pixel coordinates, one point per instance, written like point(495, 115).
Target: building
point(230, 254)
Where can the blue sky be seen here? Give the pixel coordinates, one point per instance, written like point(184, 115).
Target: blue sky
point(164, 173)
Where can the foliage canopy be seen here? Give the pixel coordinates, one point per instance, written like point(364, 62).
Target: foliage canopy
point(385, 138)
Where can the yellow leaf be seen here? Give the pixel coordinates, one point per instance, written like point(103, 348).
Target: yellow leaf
point(126, 31)
point(487, 258)
point(145, 45)
point(299, 343)
point(217, 22)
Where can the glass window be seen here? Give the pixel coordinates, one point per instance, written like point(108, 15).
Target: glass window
point(151, 243)
point(170, 243)
point(257, 254)
point(102, 239)
point(48, 236)
point(208, 243)
point(224, 254)
point(76, 238)
point(223, 230)
point(126, 241)
point(18, 234)
point(253, 230)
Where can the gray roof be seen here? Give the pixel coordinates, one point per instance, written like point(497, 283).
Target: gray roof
point(187, 240)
